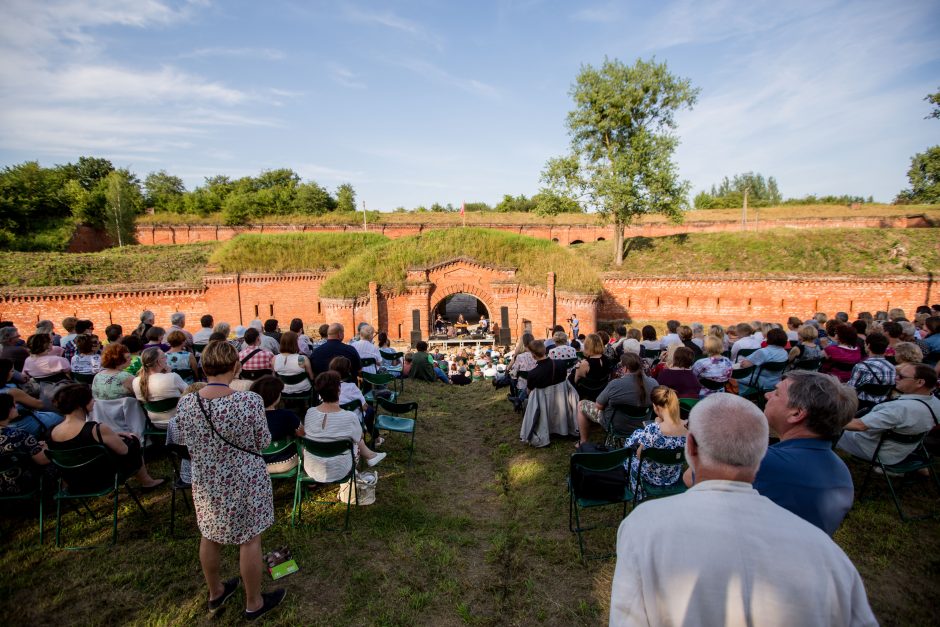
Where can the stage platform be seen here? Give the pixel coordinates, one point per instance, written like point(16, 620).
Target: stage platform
point(461, 342)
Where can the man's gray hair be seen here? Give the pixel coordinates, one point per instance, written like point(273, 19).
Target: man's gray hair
point(7, 333)
point(698, 327)
point(44, 326)
point(145, 315)
point(560, 337)
point(828, 404)
point(366, 332)
point(729, 430)
point(178, 319)
point(907, 328)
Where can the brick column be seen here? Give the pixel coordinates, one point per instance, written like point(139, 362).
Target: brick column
point(552, 303)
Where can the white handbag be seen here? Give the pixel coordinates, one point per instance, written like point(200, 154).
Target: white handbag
point(364, 488)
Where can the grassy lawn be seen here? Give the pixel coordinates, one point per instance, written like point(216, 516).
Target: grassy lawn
point(492, 217)
point(474, 533)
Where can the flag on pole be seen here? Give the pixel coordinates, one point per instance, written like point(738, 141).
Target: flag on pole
point(463, 206)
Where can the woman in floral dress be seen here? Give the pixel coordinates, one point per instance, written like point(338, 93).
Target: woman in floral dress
point(666, 432)
point(715, 367)
point(225, 432)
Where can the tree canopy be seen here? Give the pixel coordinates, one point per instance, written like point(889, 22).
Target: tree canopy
point(924, 173)
point(622, 143)
point(730, 193)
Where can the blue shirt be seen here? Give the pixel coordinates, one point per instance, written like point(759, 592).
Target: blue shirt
point(805, 476)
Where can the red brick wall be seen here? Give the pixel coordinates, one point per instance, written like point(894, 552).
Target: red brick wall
point(563, 234)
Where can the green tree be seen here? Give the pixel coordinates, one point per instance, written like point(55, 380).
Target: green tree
point(622, 145)
point(239, 207)
point(548, 203)
point(123, 203)
point(312, 199)
point(934, 99)
point(345, 198)
point(924, 173)
point(201, 202)
point(730, 193)
point(89, 171)
point(164, 192)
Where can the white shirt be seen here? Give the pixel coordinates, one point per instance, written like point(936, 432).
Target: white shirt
point(189, 336)
point(202, 336)
point(669, 339)
point(342, 425)
point(368, 350)
point(751, 341)
point(288, 364)
point(906, 414)
point(722, 554)
point(160, 386)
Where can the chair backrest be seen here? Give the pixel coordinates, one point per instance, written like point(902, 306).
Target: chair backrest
point(876, 389)
point(179, 450)
point(86, 469)
point(628, 418)
point(397, 408)
point(293, 379)
point(685, 406)
point(185, 373)
point(807, 364)
point(367, 361)
point(163, 405)
point(377, 379)
point(523, 374)
point(333, 448)
point(80, 377)
point(254, 375)
point(711, 384)
point(567, 364)
point(352, 405)
point(77, 458)
point(665, 456)
point(52, 378)
point(580, 355)
point(198, 348)
point(743, 373)
point(391, 356)
point(601, 461)
point(279, 446)
point(841, 366)
point(744, 352)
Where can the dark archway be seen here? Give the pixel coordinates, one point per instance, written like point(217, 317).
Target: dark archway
point(451, 307)
point(600, 239)
point(576, 242)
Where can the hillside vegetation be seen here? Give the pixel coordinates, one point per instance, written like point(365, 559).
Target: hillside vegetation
point(291, 252)
point(496, 217)
point(534, 258)
point(861, 252)
point(129, 265)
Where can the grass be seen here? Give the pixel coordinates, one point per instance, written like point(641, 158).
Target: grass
point(388, 263)
point(291, 252)
point(860, 252)
point(492, 217)
point(474, 533)
point(128, 265)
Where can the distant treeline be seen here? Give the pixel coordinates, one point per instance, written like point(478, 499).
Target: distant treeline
point(761, 193)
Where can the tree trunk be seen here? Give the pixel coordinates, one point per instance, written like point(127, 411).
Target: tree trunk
point(618, 246)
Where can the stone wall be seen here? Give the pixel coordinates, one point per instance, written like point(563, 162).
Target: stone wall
point(563, 234)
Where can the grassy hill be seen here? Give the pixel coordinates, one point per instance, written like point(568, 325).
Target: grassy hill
point(291, 252)
point(493, 217)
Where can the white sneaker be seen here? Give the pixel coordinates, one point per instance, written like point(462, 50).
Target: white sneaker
point(375, 460)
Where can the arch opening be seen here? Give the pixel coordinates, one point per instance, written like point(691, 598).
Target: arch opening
point(576, 242)
point(600, 239)
point(460, 313)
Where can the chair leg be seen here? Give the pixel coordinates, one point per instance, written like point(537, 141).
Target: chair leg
point(136, 500)
point(412, 450)
point(897, 502)
point(114, 526)
point(58, 521)
point(173, 512)
point(42, 527)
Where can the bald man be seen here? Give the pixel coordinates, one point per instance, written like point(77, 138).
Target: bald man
point(722, 554)
point(334, 347)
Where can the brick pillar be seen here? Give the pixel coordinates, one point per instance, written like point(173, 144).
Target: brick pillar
point(552, 303)
point(374, 304)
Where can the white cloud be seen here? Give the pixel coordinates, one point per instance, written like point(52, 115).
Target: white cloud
point(394, 22)
point(270, 54)
point(345, 77)
point(437, 74)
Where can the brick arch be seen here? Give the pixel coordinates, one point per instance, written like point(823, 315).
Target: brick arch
point(440, 293)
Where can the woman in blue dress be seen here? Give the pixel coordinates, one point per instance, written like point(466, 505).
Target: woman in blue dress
point(666, 432)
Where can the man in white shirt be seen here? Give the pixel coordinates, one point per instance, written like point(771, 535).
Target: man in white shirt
point(366, 349)
point(747, 340)
point(177, 322)
point(202, 335)
point(722, 554)
point(915, 411)
point(672, 337)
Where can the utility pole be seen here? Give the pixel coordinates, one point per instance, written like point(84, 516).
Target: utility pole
point(744, 211)
point(365, 227)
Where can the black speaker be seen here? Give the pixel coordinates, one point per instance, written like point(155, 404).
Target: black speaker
point(416, 320)
point(505, 337)
point(415, 338)
point(504, 318)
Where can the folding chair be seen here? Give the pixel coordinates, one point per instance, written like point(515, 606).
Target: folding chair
point(664, 457)
point(590, 390)
point(876, 389)
point(745, 374)
point(917, 460)
point(769, 366)
point(576, 499)
point(625, 420)
point(254, 375)
point(396, 422)
point(390, 356)
point(12, 463)
point(280, 446)
point(807, 364)
point(568, 364)
point(712, 385)
point(88, 460)
point(323, 450)
point(685, 407)
point(157, 407)
point(80, 377)
point(380, 381)
point(198, 348)
point(187, 375)
point(745, 352)
point(580, 355)
point(179, 453)
point(303, 400)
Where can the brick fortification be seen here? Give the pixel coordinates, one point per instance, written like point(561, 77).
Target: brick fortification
point(238, 299)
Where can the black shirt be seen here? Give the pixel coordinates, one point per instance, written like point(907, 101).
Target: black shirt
point(282, 423)
point(321, 357)
point(546, 372)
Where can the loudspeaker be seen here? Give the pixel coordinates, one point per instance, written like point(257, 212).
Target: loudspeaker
point(416, 320)
point(504, 318)
point(505, 338)
point(415, 338)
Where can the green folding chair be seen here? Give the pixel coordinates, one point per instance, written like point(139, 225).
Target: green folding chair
point(380, 380)
point(625, 420)
point(302, 400)
point(918, 459)
point(13, 463)
point(577, 501)
point(88, 461)
point(395, 421)
point(365, 362)
point(280, 446)
point(80, 377)
point(198, 348)
point(178, 453)
point(187, 375)
point(663, 457)
point(157, 407)
point(324, 450)
point(741, 375)
point(685, 407)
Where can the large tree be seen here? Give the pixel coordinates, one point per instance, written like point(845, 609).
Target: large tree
point(123, 202)
point(164, 192)
point(622, 143)
point(924, 173)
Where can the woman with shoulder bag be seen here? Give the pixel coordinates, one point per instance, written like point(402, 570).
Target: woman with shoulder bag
point(225, 432)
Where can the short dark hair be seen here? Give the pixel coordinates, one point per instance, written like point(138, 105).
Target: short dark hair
point(251, 335)
point(217, 336)
point(877, 343)
point(133, 343)
point(925, 372)
point(672, 325)
point(207, 321)
point(684, 357)
point(860, 326)
point(270, 325)
point(422, 346)
point(323, 330)
point(83, 325)
point(847, 335)
point(155, 334)
point(892, 329)
point(269, 388)
point(342, 365)
point(649, 333)
point(175, 338)
point(70, 397)
point(297, 325)
point(777, 337)
point(113, 332)
point(85, 343)
point(327, 385)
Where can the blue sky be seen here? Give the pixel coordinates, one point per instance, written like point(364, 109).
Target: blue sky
point(420, 102)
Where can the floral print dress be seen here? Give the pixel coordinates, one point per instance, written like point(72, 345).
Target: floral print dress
point(654, 473)
point(231, 488)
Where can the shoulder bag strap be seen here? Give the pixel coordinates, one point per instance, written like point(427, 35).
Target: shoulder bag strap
point(244, 361)
point(208, 418)
point(873, 374)
point(929, 408)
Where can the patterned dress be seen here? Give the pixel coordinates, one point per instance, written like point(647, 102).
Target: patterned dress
point(24, 476)
point(716, 368)
point(231, 488)
point(657, 474)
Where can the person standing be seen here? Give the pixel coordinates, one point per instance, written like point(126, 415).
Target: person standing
point(225, 432)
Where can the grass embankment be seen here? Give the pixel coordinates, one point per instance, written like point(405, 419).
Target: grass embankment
point(783, 252)
point(475, 532)
point(493, 217)
point(534, 258)
point(128, 265)
point(291, 252)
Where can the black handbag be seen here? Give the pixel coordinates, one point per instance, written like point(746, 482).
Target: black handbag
point(600, 485)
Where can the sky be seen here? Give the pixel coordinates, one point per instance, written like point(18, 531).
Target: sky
point(420, 102)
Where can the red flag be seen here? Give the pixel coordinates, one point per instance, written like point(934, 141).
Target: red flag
point(462, 207)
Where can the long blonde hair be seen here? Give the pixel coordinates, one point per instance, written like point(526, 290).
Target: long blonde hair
point(666, 398)
point(148, 361)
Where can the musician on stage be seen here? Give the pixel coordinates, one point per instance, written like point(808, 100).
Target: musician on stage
point(484, 324)
point(440, 326)
point(461, 325)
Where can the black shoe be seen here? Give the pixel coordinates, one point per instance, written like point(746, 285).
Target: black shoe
point(269, 601)
point(230, 585)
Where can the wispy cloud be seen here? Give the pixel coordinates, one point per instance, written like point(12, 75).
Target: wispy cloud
point(269, 54)
point(437, 74)
point(394, 22)
point(344, 76)
point(320, 173)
